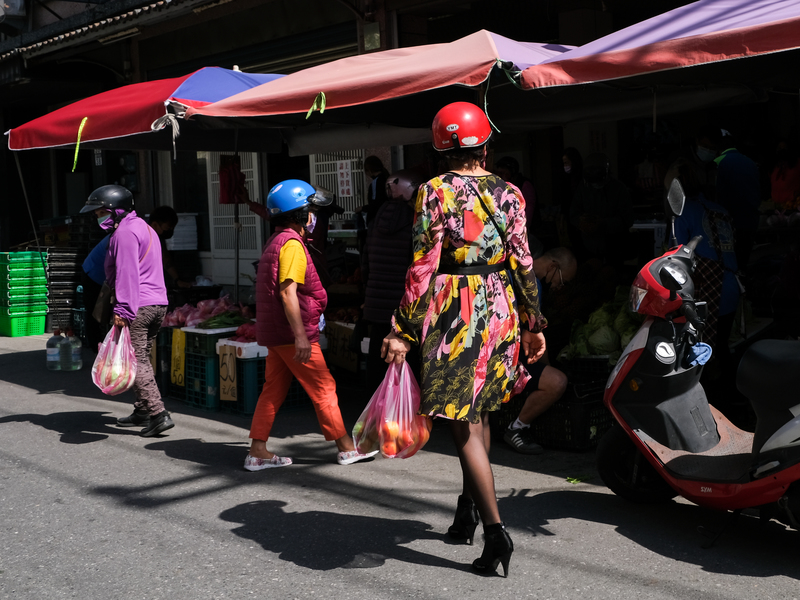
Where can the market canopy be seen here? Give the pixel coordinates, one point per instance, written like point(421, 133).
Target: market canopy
point(386, 97)
point(707, 33)
point(145, 116)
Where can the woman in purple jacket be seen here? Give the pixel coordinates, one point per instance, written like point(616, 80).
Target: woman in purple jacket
point(134, 270)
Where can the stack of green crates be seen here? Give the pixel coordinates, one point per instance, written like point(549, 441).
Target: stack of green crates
point(23, 293)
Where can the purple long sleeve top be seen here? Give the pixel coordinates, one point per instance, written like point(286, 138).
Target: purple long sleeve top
point(134, 267)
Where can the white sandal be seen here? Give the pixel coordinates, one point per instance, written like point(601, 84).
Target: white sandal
point(251, 463)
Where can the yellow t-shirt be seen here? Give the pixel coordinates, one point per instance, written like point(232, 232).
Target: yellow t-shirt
point(292, 262)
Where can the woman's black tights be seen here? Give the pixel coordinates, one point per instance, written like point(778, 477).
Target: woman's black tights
point(472, 444)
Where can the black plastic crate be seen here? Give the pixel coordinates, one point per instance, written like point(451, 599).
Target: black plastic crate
point(584, 369)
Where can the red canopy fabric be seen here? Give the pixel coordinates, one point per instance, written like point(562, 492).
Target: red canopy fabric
point(386, 75)
point(701, 33)
point(130, 110)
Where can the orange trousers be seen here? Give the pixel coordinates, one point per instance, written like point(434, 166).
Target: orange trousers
point(316, 380)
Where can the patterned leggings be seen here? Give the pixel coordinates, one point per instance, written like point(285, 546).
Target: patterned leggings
point(144, 330)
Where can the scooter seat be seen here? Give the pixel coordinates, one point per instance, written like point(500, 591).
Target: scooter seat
point(769, 374)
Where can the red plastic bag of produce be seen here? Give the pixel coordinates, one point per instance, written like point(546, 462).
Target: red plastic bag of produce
point(390, 422)
point(114, 368)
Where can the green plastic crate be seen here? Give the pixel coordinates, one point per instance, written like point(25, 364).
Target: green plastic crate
point(38, 300)
point(7, 258)
point(22, 325)
point(15, 271)
point(22, 278)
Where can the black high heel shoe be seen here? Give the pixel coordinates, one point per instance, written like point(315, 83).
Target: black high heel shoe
point(497, 549)
point(465, 522)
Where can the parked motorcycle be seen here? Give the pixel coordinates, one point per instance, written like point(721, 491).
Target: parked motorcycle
point(668, 440)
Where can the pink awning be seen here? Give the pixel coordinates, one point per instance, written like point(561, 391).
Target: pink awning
point(701, 33)
point(377, 76)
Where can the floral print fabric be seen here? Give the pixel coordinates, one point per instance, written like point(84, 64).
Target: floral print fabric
point(468, 325)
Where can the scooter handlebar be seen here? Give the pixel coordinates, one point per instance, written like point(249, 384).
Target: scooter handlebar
point(688, 310)
point(694, 242)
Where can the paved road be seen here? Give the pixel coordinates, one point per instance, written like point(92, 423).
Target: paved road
point(92, 511)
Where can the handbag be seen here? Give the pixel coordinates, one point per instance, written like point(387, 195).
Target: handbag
point(106, 299)
point(105, 302)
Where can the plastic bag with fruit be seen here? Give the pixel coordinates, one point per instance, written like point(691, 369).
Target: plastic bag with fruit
point(114, 369)
point(390, 422)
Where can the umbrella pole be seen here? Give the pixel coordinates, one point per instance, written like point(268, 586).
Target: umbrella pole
point(236, 227)
point(30, 214)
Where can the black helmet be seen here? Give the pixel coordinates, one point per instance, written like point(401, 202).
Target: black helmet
point(109, 197)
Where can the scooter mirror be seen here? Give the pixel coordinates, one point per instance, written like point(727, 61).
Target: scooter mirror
point(675, 198)
point(672, 278)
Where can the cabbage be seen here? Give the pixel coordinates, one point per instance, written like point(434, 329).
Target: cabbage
point(603, 341)
point(599, 318)
point(627, 335)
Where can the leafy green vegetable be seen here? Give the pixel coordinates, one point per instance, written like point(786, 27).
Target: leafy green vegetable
point(223, 320)
point(604, 341)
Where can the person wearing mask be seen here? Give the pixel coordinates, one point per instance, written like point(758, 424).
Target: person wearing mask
point(384, 264)
point(602, 210)
point(291, 301)
point(163, 220)
point(134, 270)
point(553, 270)
point(570, 178)
point(507, 168)
point(739, 191)
point(471, 305)
point(376, 189)
point(715, 273)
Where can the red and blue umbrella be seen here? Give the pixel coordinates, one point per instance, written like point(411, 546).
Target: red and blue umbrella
point(136, 116)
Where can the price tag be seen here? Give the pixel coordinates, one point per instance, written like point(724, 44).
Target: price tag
point(227, 373)
point(178, 364)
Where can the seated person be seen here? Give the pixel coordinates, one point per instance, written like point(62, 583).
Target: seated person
point(553, 269)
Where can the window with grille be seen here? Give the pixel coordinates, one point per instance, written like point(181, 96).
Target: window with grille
point(223, 235)
point(325, 172)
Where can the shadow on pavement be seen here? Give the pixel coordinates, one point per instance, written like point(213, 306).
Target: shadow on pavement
point(80, 427)
point(323, 541)
point(748, 548)
point(27, 369)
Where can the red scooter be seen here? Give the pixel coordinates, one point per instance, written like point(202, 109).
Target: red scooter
point(668, 440)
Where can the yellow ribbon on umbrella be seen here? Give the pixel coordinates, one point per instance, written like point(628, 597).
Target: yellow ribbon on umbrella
point(319, 104)
point(78, 143)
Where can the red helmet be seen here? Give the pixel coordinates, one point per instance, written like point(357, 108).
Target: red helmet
point(460, 125)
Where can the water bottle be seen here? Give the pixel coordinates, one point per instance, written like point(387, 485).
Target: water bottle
point(77, 351)
point(69, 351)
point(53, 351)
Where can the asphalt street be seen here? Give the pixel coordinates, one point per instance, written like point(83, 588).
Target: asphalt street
point(92, 511)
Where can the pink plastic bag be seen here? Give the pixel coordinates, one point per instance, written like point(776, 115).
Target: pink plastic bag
point(114, 368)
point(390, 421)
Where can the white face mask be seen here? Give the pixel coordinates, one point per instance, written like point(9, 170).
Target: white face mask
point(567, 168)
point(312, 223)
point(705, 155)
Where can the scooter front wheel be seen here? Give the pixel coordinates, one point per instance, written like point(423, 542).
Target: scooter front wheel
point(626, 472)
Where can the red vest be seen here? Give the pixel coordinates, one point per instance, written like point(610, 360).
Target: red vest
point(272, 326)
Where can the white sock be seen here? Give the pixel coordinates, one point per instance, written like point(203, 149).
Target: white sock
point(519, 425)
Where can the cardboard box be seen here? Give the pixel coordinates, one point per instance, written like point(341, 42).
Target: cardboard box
point(338, 353)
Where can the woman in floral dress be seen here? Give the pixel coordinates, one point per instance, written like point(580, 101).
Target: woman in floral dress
point(470, 304)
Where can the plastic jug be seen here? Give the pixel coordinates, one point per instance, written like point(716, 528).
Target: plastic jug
point(69, 351)
point(53, 351)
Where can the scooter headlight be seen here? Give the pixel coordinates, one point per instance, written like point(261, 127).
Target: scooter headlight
point(636, 297)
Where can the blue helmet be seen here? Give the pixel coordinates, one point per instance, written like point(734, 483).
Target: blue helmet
point(294, 194)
